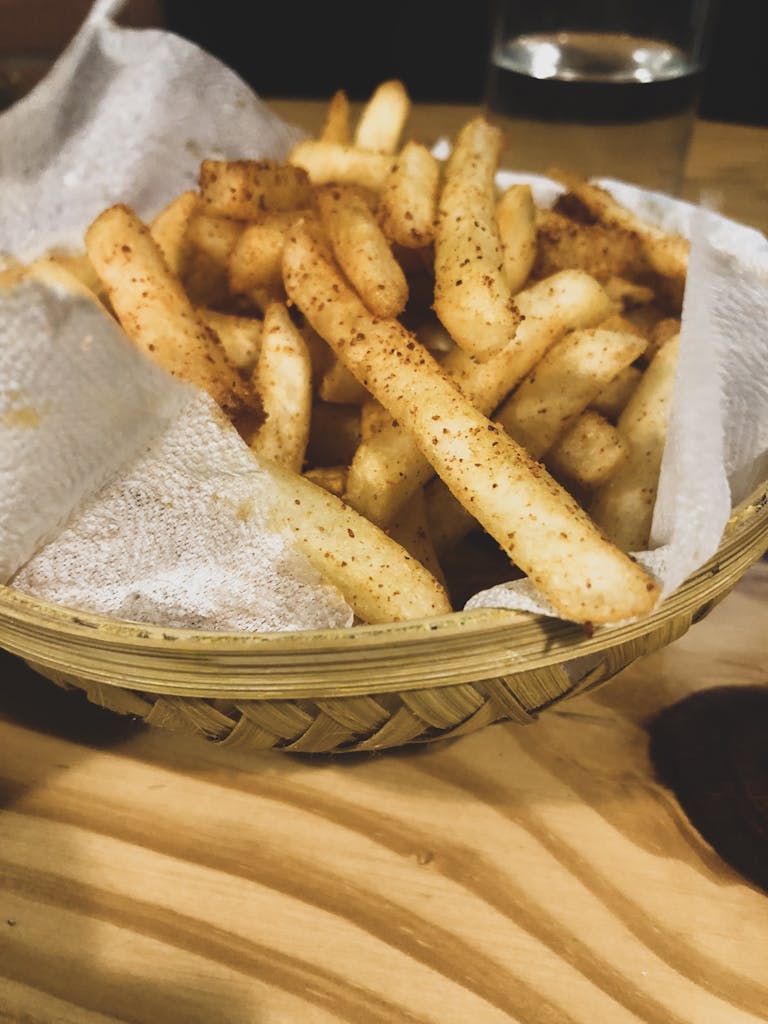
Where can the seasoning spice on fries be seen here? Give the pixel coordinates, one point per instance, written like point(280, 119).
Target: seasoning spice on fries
point(418, 355)
point(156, 313)
point(472, 297)
point(544, 531)
point(283, 378)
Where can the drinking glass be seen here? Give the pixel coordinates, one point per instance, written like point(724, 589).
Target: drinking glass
point(604, 88)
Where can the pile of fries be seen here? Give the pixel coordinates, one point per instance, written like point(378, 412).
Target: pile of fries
point(420, 357)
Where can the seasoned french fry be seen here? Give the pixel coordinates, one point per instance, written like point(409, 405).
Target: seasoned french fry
point(332, 162)
point(623, 507)
point(169, 230)
point(378, 578)
point(283, 378)
point(516, 220)
point(383, 118)
point(569, 300)
point(472, 297)
point(389, 468)
point(605, 251)
point(337, 117)
point(240, 336)
point(615, 395)
point(539, 526)
point(209, 241)
point(563, 383)
point(214, 236)
point(408, 203)
point(255, 259)
point(362, 251)
point(246, 189)
point(589, 452)
point(665, 252)
point(156, 313)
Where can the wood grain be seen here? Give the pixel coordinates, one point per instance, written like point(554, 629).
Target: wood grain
point(516, 874)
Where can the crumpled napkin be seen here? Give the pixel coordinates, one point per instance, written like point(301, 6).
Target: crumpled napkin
point(123, 491)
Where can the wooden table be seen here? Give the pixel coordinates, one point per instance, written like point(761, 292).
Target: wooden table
point(539, 874)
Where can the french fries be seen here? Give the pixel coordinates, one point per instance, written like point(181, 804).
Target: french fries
point(589, 452)
point(408, 201)
point(337, 120)
point(516, 220)
point(254, 260)
point(170, 230)
point(416, 356)
point(215, 237)
point(240, 336)
point(362, 250)
point(388, 469)
point(615, 395)
point(245, 189)
point(568, 377)
point(379, 579)
point(666, 253)
point(283, 378)
point(623, 506)
point(472, 297)
point(586, 578)
point(383, 118)
point(609, 252)
point(341, 164)
point(155, 311)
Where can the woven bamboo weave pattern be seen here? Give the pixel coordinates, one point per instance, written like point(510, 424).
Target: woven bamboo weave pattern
point(369, 689)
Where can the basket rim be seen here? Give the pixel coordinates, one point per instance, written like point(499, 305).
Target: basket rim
point(358, 660)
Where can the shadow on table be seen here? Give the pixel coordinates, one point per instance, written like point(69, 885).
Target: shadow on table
point(711, 750)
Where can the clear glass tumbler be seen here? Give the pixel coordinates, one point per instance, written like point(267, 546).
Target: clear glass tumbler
point(601, 87)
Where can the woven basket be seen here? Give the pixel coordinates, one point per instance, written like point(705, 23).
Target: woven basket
point(366, 688)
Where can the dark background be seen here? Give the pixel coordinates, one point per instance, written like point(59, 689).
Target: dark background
point(437, 49)
point(292, 49)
